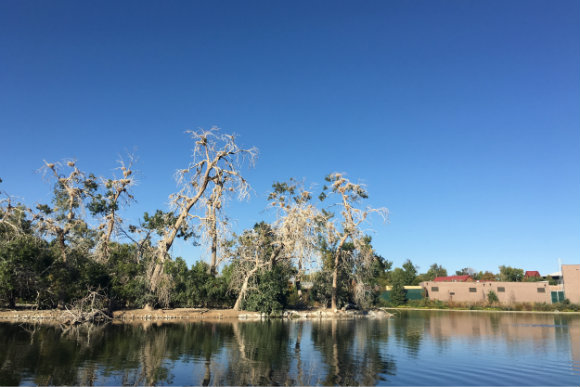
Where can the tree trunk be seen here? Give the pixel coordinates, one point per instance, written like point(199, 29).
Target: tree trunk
point(213, 233)
point(166, 243)
point(298, 279)
point(207, 375)
point(107, 236)
point(244, 288)
point(62, 245)
point(12, 300)
point(334, 300)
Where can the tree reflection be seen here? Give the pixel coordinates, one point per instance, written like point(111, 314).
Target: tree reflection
point(325, 352)
point(408, 330)
point(352, 358)
point(260, 354)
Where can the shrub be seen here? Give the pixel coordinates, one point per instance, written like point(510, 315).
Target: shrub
point(271, 292)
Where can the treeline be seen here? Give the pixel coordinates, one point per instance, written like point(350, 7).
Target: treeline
point(53, 254)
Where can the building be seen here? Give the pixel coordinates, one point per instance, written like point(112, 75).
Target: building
point(477, 292)
point(571, 282)
point(507, 292)
point(532, 274)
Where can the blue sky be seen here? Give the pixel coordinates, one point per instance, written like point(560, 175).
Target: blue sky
point(462, 117)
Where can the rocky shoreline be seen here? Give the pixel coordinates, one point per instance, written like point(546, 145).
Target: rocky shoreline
point(188, 315)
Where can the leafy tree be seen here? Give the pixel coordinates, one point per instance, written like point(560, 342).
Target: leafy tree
point(128, 282)
point(485, 276)
point(410, 273)
point(511, 274)
point(435, 271)
point(397, 295)
point(271, 289)
point(465, 271)
point(381, 269)
point(22, 260)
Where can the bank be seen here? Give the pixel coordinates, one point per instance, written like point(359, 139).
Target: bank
point(186, 315)
point(485, 310)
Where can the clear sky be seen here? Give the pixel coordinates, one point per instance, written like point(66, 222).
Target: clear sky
point(462, 117)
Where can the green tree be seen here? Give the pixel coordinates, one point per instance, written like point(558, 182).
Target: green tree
point(465, 271)
point(410, 273)
point(398, 278)
point(435, 271)
point(510, 274)
point(485, 276)
point(271, 289)
point(381, 269)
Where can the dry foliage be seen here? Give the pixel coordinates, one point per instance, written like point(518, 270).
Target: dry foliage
point(217, 160)
point(348, 227)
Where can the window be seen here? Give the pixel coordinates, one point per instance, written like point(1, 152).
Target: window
point(541, 290)
point(472, 290)
point(434, 288)
point(501, 289)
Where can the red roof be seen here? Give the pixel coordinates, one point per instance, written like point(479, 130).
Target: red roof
point(532, 273)
point(454, 278)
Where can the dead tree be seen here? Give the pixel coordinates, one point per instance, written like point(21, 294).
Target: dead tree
point(90, 309)
point(338, 233)
point(117, 193)
point(216, 157)
point(63, 217)
point(12, 216)
point(297, 225)
point(254, 252)
point(292, 237)
point(215, 225)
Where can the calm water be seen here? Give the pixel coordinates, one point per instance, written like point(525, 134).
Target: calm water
point(415, 348)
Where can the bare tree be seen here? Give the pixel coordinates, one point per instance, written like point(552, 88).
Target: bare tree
point(297, 225)
point(70, 193)
point(214, 227)
point(348, 228)
point(216, 158)
point(118, 192)
point(292, 237)
point(12, 216)
point(255, 250)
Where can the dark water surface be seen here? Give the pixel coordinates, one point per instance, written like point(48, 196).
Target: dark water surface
point(414, 348)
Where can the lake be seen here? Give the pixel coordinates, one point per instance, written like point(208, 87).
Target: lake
point(413, 348)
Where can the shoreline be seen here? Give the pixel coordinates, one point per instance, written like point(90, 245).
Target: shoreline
point(485, 311)
point(187, 315)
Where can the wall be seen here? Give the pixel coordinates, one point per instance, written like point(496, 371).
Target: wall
point(571, 276)
point(515, 292)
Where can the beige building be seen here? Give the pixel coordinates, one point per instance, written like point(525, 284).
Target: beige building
point(571, 279)
point(507, 292)
point(477, 292)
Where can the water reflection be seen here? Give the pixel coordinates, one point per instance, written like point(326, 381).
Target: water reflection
point(361, 352)
point(351, 351)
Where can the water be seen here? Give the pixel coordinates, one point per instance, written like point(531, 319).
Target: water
point(415, 348)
